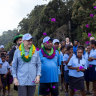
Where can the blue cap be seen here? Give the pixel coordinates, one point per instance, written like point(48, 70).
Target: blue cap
point(55, 41)
point(47, 38)
point(27, 36)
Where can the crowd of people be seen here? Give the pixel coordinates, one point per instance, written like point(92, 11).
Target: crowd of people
point(57, 65)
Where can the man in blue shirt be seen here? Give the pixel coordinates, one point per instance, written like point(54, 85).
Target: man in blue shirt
point(26, 67)
point(49, 68)
point(75, 47)
point(56, 43)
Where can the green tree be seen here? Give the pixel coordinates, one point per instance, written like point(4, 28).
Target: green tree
point(6, 38)
point(81, 16)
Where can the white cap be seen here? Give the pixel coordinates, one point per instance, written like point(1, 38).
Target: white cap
point(2, 46)
point(55, 41)
point(27, 36)
point(92, 38)
point(47, 38)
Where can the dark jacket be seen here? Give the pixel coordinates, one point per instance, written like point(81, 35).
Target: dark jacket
point(11, 54)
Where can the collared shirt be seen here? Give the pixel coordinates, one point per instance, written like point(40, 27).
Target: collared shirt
point(26, 72)
point(75, 49)
point(93, 54)
point(92, 50)
point(86, 56)
point(60, 60)
point(4, 68)
point(75, 62)
point(65, 58)
point(49, 68)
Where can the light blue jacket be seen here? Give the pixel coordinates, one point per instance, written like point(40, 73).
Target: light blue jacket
point(26, 72)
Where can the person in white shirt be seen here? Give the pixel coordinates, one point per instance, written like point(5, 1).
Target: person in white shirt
point(4, 71)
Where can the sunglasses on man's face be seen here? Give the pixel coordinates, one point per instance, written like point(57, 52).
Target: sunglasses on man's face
point(29, 40)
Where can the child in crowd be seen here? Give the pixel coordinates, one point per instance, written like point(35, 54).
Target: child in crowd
point(9, 76)
point(57, 45)
point(86, 73)
point(66, 59)
point(63, 49)
point(77, 66)
point(92, 65)
point(4, 71)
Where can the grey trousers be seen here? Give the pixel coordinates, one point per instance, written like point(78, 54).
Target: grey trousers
point(26, 90)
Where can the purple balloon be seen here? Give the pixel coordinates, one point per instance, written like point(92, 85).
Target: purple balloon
point(44, 34)
point(94, 7)
point(48, 89)
point(87, 25)
point(53, 87)
point(37, 49)
point(33, 81)
point(47, 42)
point(53, 19)
point(89, 34)
point(92, 15)
point(90, 65)
point(87, 42)
point(81, 67)
point(75, 90)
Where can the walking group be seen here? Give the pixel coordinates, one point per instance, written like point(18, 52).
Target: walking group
point(56, 67)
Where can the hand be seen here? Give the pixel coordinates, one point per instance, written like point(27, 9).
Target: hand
point(5, 76)
point(78, 69)
point(0, 65)
point(70, 55)
point(90, 59)
point(11, 64)
point(15, 81)
point(1, 86)
point(37, 79)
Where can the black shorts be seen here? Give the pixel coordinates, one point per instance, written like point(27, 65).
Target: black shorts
point(76, 83)
point(47, 88)
point(3, 80)
point(9, 79)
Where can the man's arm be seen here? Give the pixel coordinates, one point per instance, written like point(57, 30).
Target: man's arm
point(11, 54)
point(66, 62)
point(76, 68)
point(38, 69)
point(14, 68)
point(38, 65)
point(73, 68)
